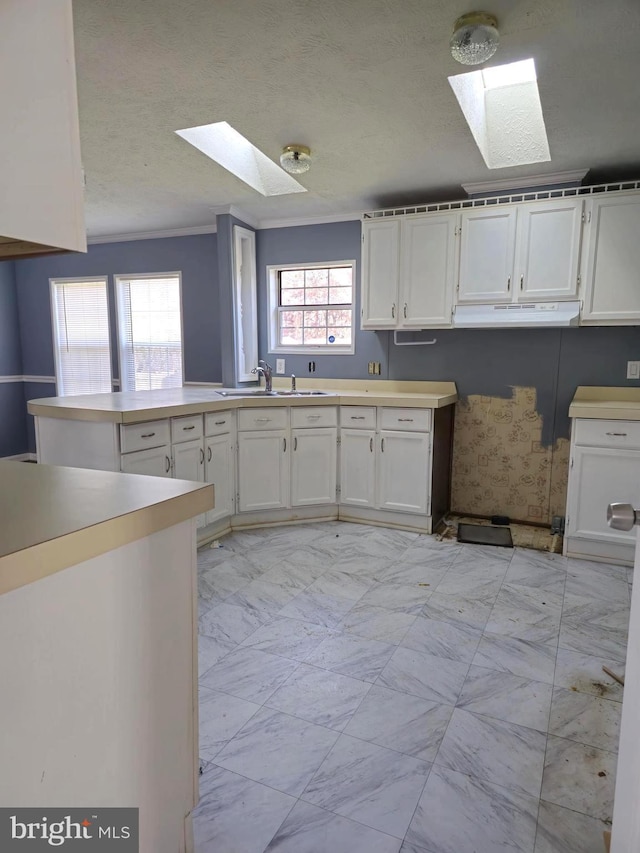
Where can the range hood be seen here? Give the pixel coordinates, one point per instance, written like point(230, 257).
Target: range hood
point(513, 316)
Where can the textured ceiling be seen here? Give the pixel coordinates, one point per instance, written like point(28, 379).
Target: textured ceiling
point(362, 82)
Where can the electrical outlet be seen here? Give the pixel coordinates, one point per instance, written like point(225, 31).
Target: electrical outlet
point(374, 368)
point(633, 370)
point(280, 365)
point(312, 367)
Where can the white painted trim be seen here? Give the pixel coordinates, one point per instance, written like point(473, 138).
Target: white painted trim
point(9, 379)
point(21, 457)
point(309, 220)
point(236, 212)
point(43, 379)
point(575, 177)
point(153, 235)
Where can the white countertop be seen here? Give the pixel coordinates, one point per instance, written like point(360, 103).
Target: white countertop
point(136, 406)
point(53, 517)
point(594, 401)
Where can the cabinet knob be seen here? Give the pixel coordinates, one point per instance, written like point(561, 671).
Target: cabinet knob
point(371, 445)
point(295, 442)
point(209, 454)
point(201, 456)
point(284, 445)
point(521, 282)
point(622, 516)
point(405, 310)
point(393, 310)
point(508, 284)
point(168, 468)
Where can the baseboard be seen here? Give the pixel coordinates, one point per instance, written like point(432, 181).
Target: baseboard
point(21, 457)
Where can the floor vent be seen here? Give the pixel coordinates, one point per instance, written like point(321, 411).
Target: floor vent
point(481, 534)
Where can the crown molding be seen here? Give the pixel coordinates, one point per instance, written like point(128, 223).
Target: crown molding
point(152, 235)
point(309, 220)
point(574, 177)
point(237, 213)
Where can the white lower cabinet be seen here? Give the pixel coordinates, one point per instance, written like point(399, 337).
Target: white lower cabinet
point(188, 464)
point(155, 462)
point(358, 467)
point(403, 472)
point(604, 468)
point(219, 470)
point(314, 462)
point(263, 470)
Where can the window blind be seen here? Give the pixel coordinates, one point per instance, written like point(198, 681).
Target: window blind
point(81, 336)
point(149, 332)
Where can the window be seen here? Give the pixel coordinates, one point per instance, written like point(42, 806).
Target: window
point(80, 317)
point(311, 308)
point(149, 331)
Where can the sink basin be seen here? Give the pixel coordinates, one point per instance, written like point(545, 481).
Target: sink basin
point(260, 392)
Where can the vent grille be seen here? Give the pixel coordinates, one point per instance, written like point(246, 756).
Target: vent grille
point(496, 201)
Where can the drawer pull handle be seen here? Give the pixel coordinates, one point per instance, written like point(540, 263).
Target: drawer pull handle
point(201, 456)
point(313, 417)
point(357, 417)
point(295, 442)
point(620, 434)
point(186, 429)
point(284, 447)
point(168, 468)
point(220, 423)
point(209, 455)
point(382, 445)
point(371, 445)
point(262, 420)
point(147, 435)
point(405, 420)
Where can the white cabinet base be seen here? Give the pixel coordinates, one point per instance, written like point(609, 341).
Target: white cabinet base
point(616, 553)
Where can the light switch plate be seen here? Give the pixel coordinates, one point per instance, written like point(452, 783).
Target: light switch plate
point(633, 370)
point(279, 365)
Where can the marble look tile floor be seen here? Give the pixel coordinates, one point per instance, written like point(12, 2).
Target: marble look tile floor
point(365, 690)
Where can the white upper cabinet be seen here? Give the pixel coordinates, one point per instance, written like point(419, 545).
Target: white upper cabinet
point(408, 271)
point(521, 253)
point(612, 261)
point(42, 206)
point(380, 273)
point(487, 251)
point(427, 277)
point(548, 250)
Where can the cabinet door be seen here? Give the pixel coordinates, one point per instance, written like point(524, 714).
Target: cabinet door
point(403, 471)
point(380, 273)
point(487, 249)
point(263, 470)
point(600, 476)
point(188, 460)
point(428, 271)
point(548, 250)
point(612, 275)
point(155, 462)
point(314, 466)
point(219, 457)
point(357, 467)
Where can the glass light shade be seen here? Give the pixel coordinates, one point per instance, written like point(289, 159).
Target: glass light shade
point(296, 159)
point(475, 38)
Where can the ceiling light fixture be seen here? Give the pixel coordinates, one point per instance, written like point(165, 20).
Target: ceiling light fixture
point(295, 159)
point(475, 38)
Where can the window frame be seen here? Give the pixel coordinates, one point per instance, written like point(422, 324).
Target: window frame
point(55, 280)
point(117, 278)
point(274, 309)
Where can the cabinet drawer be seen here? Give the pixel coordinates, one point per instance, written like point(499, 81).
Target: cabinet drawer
point(597, 433)
point(416, 420)
point(358, 417)
point(271, 418)
point(139, 436)
point(186, 429)
point(217, 423)
point(314, 416)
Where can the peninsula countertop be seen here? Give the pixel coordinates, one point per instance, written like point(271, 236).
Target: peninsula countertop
point(137, 406)
point(53, 517)
point(595, 401)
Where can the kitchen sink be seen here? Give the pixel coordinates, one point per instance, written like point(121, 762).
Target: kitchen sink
point(260, 392)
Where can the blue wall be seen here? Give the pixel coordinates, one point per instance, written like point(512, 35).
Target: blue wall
point(338, 241)
point(13, 437)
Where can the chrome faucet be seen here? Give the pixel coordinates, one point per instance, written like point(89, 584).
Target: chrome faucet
point(293, 383)
point(264, 369)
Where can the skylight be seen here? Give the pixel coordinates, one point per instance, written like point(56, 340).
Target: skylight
point(503, 110)
point(237, 155)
